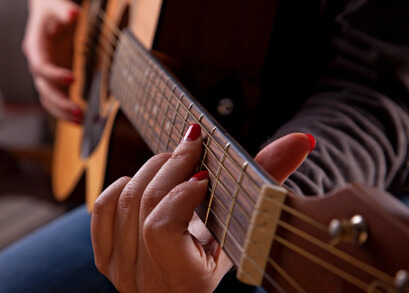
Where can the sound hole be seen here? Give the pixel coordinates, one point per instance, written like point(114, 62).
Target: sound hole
point(103, 35)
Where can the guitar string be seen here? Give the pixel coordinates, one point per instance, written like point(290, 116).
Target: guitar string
point(286, 276)
point(216, 158)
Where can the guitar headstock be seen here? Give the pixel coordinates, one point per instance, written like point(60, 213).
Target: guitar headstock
point(353, 240)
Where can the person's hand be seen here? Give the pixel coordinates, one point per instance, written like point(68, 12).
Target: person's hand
point(48, 46)
point(143, 234)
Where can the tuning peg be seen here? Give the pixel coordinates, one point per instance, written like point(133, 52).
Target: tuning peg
point(402, 281)
point(354, 230)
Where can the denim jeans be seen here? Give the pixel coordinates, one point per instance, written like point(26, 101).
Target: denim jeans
point(56, 258)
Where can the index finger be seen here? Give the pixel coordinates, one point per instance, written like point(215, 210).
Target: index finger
point(180, 167)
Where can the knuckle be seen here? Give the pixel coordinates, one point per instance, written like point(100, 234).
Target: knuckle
point(177, 191)
point(153, 229)
point(180, 154)
point(98, 208)
point(162, 157)
point(150, 197)
point(129, 196)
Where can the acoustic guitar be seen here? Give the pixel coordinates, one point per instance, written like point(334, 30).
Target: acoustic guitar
point(353, 240)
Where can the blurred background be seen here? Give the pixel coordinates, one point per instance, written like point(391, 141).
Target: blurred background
point(26, 200)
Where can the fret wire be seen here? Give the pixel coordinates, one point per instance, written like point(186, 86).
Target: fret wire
point(147, 76)
point(209, 139)
point(149, 106)
point(184, 123)
point(138, 110)
point(144, 96)
point(216, 179)
point(155, 104)
point(147, 112)
point(135, 109)
point(163, 120)
point(172, 125)
point(126, 89)
point(236, 192)
point(156, 109)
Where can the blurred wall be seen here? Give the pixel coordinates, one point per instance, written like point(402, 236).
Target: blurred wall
point(15, 80)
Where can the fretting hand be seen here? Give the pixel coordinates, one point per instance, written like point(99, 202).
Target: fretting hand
point(145, 235)
point(48, 46)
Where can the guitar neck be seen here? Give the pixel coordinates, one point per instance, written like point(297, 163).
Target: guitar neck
point(161, 110)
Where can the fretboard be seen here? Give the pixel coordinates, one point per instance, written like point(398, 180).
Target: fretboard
point(161, 110)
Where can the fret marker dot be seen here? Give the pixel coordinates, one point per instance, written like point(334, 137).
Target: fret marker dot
point(155, 109)
point(168, 125)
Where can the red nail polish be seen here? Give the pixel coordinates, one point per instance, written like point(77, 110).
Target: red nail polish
point(313, 142)
point(69, 79)
point(77, 120)
point(76, 112)
point(202, 175)
point(193, 132)
point(73, 14)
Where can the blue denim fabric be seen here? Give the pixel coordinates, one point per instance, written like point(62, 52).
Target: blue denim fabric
point(56, 258)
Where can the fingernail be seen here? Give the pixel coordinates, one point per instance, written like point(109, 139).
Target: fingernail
point(77, 112)
point(202, 175)
point(73, 13)
point(313, 142)
point(192, 133)
point(69, 79)
point(77, 120)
